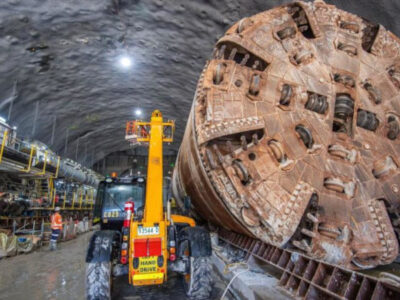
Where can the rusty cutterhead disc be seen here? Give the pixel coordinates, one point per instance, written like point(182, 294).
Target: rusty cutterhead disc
point(293, 134)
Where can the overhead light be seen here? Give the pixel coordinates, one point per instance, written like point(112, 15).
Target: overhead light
point(2, 120)
point(15, 127)
point(125, 62)
point(138, 112)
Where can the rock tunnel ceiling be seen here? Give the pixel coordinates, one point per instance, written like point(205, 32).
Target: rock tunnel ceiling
point(59, 58)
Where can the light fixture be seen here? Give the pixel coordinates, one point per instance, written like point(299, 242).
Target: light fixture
point(2, 120)
point(125, 62)
point(138, 112)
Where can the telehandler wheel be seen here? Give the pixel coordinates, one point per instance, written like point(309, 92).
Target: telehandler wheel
point(198, 283)
point(98, 281)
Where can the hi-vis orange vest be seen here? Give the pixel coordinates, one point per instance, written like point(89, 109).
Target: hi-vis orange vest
point(56, 221)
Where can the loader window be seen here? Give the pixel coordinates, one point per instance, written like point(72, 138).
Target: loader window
point(115, 195)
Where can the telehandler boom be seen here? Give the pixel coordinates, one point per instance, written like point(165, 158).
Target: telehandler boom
point(151, 240)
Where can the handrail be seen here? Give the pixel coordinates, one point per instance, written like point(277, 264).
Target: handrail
point(54, 198)
point(86, 199)
point(30, 160)
point(51, 184)
point(138, 128)
point(171, 124)
point(57, 169)
point(3, 143)
point(44, 165)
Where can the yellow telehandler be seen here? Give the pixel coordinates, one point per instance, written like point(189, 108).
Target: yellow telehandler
point(138, 236)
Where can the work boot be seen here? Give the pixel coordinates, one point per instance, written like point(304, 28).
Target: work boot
point(52, 246)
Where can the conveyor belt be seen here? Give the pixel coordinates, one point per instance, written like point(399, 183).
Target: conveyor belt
point(15, 155)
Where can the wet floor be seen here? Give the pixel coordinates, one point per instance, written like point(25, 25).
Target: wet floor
point(60, 275)
point(173, 289)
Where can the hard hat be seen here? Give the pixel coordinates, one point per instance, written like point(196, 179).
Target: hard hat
point(57, 209)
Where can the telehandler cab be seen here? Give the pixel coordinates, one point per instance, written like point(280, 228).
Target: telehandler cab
point(140, 236)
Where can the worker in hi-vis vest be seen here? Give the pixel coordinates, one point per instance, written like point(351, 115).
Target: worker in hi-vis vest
point(56, 227)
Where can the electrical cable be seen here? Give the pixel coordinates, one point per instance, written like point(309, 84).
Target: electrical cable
point(234, 277)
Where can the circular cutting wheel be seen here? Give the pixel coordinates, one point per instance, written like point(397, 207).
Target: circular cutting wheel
point(320, 88)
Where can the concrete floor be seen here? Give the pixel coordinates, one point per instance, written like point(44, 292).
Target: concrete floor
point(60, 275)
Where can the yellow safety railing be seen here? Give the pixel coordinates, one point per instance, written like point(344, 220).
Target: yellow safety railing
point(58, 168)
point(3, 144)
point(54, 198)
point(170, 138)
point(141, 129)
point(86, 199)
point(44, 165)
point(51, 187)
point(30, 149)
point(30, 160)
point(73, 200)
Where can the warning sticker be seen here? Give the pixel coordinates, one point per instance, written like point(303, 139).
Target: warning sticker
point(148, 264)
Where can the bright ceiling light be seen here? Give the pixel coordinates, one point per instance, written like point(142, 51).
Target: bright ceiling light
point(138, 112)
point(125, 62)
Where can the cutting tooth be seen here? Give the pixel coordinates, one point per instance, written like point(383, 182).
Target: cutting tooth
point(222, 52)
point(306, 245)
point(346, 232)
point(255, 139)
point(211, 160)
point(312, 218)
point(244, 142)
point(233, 53)
point(218, 153)
point(230, 147)
point(255, 65)
point(308, 233)
point(245, 59)
point(302, 245)
point(298, 245)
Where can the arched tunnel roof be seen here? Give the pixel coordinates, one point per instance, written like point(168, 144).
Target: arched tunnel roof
point(59, 63)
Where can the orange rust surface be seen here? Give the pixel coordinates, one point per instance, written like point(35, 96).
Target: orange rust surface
point(293, 134)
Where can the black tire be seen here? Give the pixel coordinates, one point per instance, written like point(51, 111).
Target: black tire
point(98, 281)
point(198, 283)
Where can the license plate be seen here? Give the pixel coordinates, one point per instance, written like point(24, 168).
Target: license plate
point(148, 264)
point(111, 214)
point(148, 230)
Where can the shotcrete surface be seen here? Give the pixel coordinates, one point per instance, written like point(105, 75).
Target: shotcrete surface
point(64, 56)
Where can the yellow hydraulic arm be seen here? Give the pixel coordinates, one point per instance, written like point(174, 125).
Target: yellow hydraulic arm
point(154, 133)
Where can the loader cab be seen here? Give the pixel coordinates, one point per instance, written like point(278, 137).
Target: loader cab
point(112, 194)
